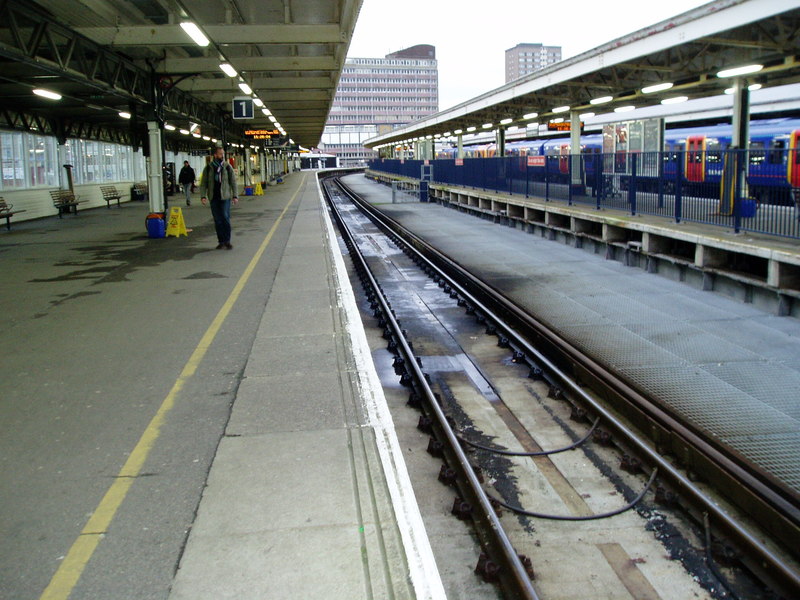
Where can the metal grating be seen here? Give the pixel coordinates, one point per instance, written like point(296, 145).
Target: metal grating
point(776, 453)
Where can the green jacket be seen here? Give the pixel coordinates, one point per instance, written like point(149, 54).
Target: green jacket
point(228, 187)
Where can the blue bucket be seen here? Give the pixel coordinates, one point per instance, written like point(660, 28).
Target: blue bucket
point(156, 228)
point(248, 191)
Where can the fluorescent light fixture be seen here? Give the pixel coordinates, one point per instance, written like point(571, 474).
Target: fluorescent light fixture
point(754, 87)
point(658, 87)
point(437, 135)
point(486, 126)
point(558, 120)
point(194, 32)
point(266, 112)
point(228, 69)
point(506, 121)
point(735, 72)
point(625, 108)
point(291, 141)
point(169, 127)
point(458, 131)
point(471, 129)
point(197, 135)
point(272, 118)
point(560, 109)
point(207, 138)
point(428, 137)
point(185, 131)
point(258, 102)
point(213, 140)
point(125, 115)
point(675, 100)
point(601, 100)
point(530, 116)
point(47, 94)
point(586, 115)
point(446, 134)
point(278, 125)
point(245, 88)
point(512, 129)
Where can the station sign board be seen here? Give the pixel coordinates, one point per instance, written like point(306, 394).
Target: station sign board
point(562, 126)
point(262, 134)
point(459, 162)
point(536, 161)
point(243, 107)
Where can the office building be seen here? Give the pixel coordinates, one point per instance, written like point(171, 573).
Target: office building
point(376, 95)
point(524, 59)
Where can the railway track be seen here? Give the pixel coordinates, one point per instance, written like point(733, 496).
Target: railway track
point(582, 382)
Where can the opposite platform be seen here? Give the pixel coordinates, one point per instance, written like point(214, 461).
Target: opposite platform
point(725, 366)
point(308, 496)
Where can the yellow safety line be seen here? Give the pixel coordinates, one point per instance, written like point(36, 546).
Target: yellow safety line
point(71, 568)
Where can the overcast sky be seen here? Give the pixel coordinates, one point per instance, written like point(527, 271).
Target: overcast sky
point(471, 36)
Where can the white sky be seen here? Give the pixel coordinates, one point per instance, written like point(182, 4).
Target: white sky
point(471, 36)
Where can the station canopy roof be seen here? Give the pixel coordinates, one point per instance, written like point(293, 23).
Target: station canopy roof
point(689, 51)
point(101, 55)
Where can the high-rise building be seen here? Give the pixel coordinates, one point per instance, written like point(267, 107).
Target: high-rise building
point(524, 59)
point(376, 95)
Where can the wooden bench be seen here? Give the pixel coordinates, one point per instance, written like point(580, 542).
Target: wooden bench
point(110, 194)
point(65, 201)
point(6, 212)
point(139, 191)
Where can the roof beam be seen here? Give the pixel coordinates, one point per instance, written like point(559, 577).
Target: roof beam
point(173, 35)
point(202, 84)
point(250, 63)
point(297, 98)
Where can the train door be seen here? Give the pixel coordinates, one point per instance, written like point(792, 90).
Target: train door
point(793, 161)
point(563, 159)
point(695, 158)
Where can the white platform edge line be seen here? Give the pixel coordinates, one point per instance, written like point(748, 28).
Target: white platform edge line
point(424, 572)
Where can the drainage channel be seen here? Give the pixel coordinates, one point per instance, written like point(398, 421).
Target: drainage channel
point(474, 503)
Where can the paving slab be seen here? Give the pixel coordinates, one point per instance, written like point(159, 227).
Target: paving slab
point(301, 501)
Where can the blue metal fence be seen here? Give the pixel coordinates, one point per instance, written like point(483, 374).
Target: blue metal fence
point(757, 191)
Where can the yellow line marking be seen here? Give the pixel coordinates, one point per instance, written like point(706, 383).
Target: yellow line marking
point(71, 568)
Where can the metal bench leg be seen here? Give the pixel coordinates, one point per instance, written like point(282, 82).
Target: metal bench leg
point(8, 223)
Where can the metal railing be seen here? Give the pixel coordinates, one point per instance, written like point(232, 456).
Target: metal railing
point(756, 191)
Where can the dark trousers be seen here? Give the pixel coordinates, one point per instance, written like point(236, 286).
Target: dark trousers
point(221, 211)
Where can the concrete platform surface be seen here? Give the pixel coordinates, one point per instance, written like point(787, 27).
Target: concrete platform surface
point(301, 501)
point(724, 365)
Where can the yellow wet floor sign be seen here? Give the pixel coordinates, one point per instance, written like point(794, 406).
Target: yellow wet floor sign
point(176, 225)
point(259, 191)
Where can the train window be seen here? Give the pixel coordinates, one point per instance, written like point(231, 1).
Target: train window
point(757, 153)
point(713, 154)
point(777, 152)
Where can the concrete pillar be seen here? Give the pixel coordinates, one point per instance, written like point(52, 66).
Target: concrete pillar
point(61, 153)
point(155, 182)
point(741, 114)
point(263, 166)
point(741, 130)
point(248, 169)
point(575, 146)
point(460, 149)
point(501, 141)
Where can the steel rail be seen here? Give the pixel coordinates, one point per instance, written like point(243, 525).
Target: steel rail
point(759, 558)
point(513, 577)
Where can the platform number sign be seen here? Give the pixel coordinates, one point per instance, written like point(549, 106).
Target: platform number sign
point(243, 107)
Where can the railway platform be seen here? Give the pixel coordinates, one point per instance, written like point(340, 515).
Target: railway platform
point(727, 367)
point(234, 444)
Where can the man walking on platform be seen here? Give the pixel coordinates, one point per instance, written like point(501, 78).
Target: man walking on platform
point(219, 186)
point(187, 178)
